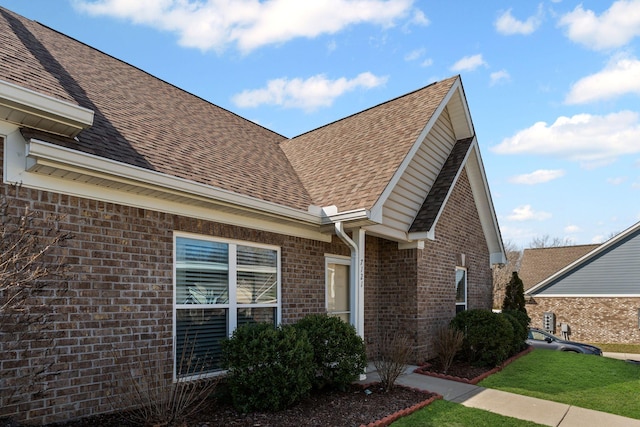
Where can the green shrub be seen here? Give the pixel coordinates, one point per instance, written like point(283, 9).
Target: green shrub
point(269, 368)
point(522, 333)
point(339, 354)
point(519, 333)
point(487, 336)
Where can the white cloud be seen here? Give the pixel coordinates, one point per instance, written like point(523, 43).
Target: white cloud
point(419, 18)
point(537, 177)
point(616, 181)
point(526, 213)
point(310, 94)
point(415, 54)
point(498, 76)
point(468, 63)
point(620, 77)
point(589, 139)
point(570, 229)
point(250, 24)
point(614, 28)
point(508, 25)
point(427, 62)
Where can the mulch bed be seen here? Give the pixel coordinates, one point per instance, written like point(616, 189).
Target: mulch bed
point(369, 406)
point(465, 372)
point(358, 406)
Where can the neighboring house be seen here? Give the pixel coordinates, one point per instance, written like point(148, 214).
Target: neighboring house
point(190, 220)
point(593, 289)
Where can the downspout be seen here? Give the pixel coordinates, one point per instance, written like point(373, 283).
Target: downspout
point(357, 277)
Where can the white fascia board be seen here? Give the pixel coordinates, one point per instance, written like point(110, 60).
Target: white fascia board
point(348, 216)
point(376, 210)
point(50, 154)
point(32, 102)
point(15, 172)
point(484, 203)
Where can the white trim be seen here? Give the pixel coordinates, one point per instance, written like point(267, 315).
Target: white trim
point(339, 260)
point(42, 106)
point(210, 203)
point(376, 210)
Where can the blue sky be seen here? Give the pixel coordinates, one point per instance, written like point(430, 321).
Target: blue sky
point(553, 86)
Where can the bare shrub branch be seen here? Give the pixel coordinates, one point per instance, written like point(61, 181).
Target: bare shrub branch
point(448, 341)
point(393, 358)
point(33, 277)
point(148, 395)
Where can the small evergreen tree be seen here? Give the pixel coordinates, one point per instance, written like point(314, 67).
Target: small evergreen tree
point(514, 295)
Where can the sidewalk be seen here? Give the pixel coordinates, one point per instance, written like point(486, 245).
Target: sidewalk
point(512, 405)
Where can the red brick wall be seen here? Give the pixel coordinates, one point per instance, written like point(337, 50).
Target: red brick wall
point(413, 291)
point(458, 232)
point(120, 293)
point(592, 320)
point(120, 298)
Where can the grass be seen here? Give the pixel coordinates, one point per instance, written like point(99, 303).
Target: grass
point(592, 382)
point(447, 414)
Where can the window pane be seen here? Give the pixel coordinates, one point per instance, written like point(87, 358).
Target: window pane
point(461, 286)
point(257, 288)
point(338, 289)
point(257, 276)
point(248, 256)
point(198, 336)
point(202, 275)
point(256, 315)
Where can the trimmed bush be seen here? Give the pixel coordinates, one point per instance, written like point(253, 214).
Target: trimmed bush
point(269, 369)
point(521, 332)
point(488, 336)
point(339, 354)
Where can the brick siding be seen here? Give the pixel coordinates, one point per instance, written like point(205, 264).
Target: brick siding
point(592, 320)
point(119, 301)
point(414, 290)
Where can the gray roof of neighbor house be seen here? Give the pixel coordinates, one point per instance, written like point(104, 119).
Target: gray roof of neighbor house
point(611, 269)
point(540, 263)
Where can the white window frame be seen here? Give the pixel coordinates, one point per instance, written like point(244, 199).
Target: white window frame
point(340, 260)
point(466, 289)
point(232, 306)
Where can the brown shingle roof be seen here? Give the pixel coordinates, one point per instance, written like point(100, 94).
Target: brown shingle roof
point(349, 163)
point(540, 263)
point(440, 188)
point(146, 122)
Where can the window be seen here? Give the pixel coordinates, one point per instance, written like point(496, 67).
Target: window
point(219, 286)
point(461, 289)
point(338, 295)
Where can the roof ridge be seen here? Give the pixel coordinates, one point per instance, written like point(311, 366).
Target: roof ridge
point(378, 105)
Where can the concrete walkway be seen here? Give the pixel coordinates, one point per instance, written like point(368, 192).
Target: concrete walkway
point(512, 405)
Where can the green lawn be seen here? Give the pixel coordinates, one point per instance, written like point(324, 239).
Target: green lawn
point(592, 382)
point(447, 414)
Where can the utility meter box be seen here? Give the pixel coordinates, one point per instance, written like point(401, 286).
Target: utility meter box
point(549, 322)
